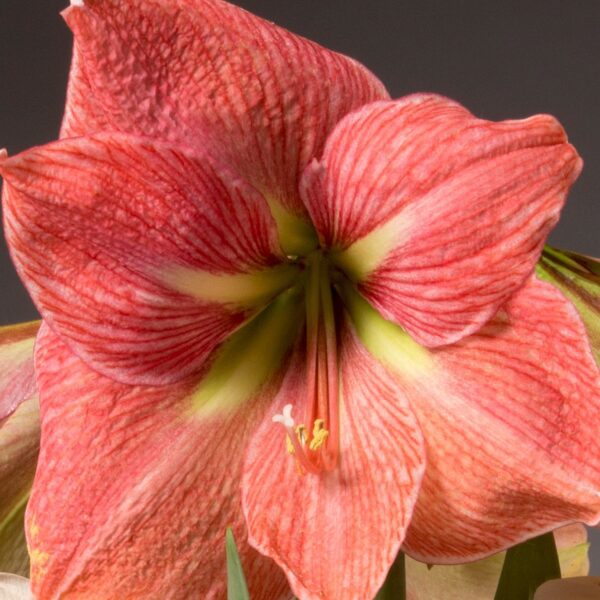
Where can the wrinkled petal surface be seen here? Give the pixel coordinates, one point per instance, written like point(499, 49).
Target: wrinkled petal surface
point(19, 445)
point(84, 115)
point(438, 215)
point(98, 226)
point(336, 534)
point(17, 379)
point(510, 423)
point(171, 70)
point(478, 580)
point(134, 493)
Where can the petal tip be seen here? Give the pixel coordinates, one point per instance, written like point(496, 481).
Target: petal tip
point(3, 160)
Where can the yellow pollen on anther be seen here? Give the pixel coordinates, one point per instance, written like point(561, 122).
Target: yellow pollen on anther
point(289, 445)
point(320, 434)
point(300, 434)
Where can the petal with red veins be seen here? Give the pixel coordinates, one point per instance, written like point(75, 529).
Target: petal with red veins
point(117, 238)
point(133, 495)
point(439, 216)
point(336, 534)
point(17, 377)
point(265, 97)
point(510, 422)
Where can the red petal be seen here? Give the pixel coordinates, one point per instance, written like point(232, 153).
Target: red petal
point(336, 534)
point(170, 70)
point(84, 115)
point(95, 224)
point(133, 494)
point(451, 211)
point(510, 419)
point(17, 378)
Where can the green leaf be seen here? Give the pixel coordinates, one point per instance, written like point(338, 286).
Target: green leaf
point(236, 582)
point(394, 587)
point(526, 567)
point(14, 557)
point(19, 445)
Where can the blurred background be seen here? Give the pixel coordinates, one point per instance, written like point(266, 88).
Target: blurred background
point(502, 60)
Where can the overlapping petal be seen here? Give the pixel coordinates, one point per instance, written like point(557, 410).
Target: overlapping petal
point(337, 533)
point(19, 444)
point(172, 70)
point(510, 423)
point(17, 379)
point(438, 215)
point(578, 278)
point(110, 234)
point(134, 493)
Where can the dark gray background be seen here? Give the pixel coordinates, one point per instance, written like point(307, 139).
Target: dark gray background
point(500, 59)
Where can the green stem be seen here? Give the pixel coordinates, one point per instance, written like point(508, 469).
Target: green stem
point(394, 587)
point(526, 567)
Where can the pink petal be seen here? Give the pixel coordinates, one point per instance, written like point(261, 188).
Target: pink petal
point(134, 493)
point(510, 422)
point(17, 378)
point(95, 225)
point(336, 534)
point(439, 216)
point(265, 97)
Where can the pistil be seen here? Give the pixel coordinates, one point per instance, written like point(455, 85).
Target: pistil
point(316, 445)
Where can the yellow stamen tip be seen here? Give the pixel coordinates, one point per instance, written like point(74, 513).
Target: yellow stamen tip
point(320, 434)
point(289, 446)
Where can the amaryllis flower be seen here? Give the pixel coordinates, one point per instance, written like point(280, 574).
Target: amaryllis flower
point(278, 300)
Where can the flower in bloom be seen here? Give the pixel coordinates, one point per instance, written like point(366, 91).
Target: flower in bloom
point(277, 300)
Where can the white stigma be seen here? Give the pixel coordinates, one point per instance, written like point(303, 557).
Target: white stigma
point(77, 3)
point(285, 418)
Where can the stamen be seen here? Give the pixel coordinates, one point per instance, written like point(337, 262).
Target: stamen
point(296, 438)
point(317, 449)
point(320, 434)
point(331, 455)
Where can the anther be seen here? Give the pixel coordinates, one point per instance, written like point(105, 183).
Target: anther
point(320, 434)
